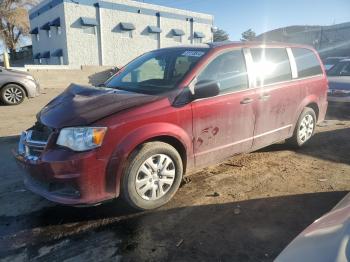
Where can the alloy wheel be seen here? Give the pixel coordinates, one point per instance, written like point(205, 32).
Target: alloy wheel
point(13, 95)
point(155, 177)
point(306, 128)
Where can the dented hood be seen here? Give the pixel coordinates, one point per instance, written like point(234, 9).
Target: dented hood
point(83, 105)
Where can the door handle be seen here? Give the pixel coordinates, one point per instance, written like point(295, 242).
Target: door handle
point(265, 97)
point(246, 101)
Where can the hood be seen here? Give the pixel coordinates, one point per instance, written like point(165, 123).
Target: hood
point(16, 72)
point(339, 82)
point(83, 105)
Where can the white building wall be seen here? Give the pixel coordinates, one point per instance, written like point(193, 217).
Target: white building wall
point(81, 48)
point(119, 50)
point(57, 41)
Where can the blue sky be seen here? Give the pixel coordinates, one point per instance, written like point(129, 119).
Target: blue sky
point(236, 16)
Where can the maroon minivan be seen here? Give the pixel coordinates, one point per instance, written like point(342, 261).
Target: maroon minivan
point(169, 111)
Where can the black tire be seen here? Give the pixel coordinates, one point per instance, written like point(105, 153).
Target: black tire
point(138, 157)
point(296, 140)
point(12, 89)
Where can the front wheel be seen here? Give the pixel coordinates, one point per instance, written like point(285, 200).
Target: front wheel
point(305, 128)
point(12, 94)
point(153, 176)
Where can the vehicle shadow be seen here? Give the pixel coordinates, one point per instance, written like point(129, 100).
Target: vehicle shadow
point(338, 112)
point(252, 230)
point(329, 145)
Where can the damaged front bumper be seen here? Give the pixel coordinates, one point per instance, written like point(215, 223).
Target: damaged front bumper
point(60, 175)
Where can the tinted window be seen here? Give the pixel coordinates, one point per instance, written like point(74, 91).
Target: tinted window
point(229, 70)
point(271, 65)
point(307, 62)
point(340, 69)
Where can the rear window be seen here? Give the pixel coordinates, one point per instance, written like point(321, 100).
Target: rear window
point(307, 62)
point(271, 65)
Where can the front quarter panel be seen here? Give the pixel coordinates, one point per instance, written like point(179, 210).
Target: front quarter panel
point(131, 128)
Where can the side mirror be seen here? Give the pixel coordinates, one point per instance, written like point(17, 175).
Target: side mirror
point(206, 88)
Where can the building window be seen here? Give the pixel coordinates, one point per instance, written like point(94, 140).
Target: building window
point(59, 30)
point(49, 33)
point(177, 35)
point(37, 37)
point(177, 38)
point(198, 40)
point(126, 34)
point(91, 30)
point(154, 36)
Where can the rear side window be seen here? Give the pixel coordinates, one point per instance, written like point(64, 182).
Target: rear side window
point(271, 65)
point(307, 62)
point(229, 70)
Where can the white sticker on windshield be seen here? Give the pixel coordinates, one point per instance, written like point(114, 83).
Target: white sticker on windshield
point(193, 53)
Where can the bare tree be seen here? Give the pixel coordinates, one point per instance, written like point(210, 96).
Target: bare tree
point(14, 21)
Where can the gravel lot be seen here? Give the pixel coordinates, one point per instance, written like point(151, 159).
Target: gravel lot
point(245, 209)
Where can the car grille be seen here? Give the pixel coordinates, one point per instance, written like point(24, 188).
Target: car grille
point(33, 141)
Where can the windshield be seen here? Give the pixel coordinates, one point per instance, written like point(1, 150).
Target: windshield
point(157, 72)
point(340, 69)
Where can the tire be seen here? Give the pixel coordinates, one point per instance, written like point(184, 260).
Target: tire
point(145, 176)
point(12, 94)
point(304, 129)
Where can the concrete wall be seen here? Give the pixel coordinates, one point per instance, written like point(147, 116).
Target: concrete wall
point(107, 47)
point(62, 77)
point(56, 41)
point(82, 48)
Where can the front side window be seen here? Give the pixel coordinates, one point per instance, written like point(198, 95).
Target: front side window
point(271, 65)
point(229, 70)
point(307, 62)
point(340, 69)
point(156, 72)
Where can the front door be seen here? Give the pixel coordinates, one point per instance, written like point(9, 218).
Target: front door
point(224, 125)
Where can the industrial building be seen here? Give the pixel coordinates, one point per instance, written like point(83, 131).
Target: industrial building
point(110, 32)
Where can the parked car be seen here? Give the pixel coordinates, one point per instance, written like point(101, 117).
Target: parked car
point(339, 83)
point(327, 239)
point(15, 86)
point(169, 111)
point(329, 62)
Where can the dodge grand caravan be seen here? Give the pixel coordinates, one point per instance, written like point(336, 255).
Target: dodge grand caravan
point(169, 111)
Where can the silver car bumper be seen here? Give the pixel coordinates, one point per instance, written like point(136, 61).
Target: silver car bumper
point(33, 88)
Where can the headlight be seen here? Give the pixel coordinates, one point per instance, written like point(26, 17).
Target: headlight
point(81, 138)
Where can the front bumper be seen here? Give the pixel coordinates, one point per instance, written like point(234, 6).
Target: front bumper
point(33, 88)
point(65, 177)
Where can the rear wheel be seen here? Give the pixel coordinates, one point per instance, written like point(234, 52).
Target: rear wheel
point(12, 94)
point(153, 176)
point(305, 128)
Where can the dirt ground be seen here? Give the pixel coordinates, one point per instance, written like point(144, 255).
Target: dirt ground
point(245, 209)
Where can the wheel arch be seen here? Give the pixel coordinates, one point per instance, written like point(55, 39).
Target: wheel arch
point(16, 83)
point(314, 106)
point(163, 132)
